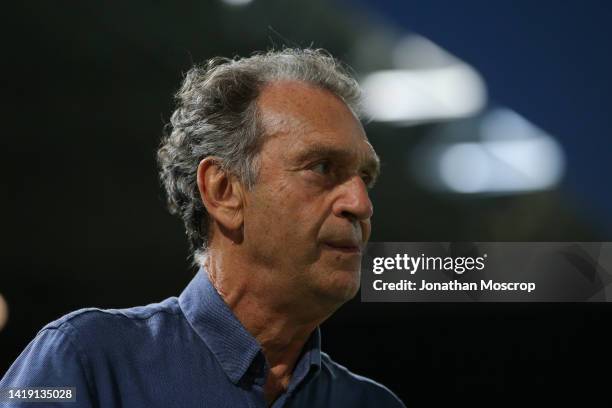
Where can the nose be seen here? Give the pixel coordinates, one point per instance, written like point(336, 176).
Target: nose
point(353, 201)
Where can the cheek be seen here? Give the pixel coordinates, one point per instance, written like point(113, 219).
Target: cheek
point(366, 230)
point(285, 219)
point(269, 215)
point(286, 206)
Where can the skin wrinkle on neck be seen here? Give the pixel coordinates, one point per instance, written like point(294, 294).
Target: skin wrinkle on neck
point(281, 342)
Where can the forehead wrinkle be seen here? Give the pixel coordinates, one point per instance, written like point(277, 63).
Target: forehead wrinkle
point(285, 109)
point(283, 122)
point(288, 106)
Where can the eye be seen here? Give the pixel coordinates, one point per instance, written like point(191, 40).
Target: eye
point(323, 167)
point(368, 180)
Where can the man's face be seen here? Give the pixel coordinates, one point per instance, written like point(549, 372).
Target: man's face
point(308, 216)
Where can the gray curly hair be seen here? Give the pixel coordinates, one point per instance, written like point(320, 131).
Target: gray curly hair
point(216, 115)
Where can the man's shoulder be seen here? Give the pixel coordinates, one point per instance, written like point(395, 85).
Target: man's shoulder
point(96, 323)
point(362, 388)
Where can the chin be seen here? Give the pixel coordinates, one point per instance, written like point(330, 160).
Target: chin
point(342, 285)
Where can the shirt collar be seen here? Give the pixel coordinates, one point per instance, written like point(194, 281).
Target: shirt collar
point(310, 360)
point(233, 346)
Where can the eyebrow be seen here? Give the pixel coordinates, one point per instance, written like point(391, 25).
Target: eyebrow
point(314, 152)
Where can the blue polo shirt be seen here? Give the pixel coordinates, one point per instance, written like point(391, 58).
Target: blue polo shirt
point(189, 351)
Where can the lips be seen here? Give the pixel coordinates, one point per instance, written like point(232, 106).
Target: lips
point(348, 246)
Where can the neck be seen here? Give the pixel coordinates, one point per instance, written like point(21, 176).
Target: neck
point(281, 324)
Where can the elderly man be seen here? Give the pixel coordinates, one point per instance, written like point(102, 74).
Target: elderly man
point(268, 166)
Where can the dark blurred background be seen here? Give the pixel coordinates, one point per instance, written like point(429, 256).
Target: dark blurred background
point(492, 120)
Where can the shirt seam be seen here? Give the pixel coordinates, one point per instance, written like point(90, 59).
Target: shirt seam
point(68, 321)
point(72, 337)
point(171, 312)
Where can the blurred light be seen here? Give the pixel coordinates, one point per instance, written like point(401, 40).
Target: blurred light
point(422, 95)
point(3, 312)
point(503, 123)
point(509, 155)
point(237, 2)
point(501, 166)
point(416, 52)
point(464, 167)
point(426, 84)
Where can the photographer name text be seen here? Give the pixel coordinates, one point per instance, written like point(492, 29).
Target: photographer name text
point(453, 285)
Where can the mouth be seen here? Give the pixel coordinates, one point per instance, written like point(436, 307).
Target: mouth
point(343, 247)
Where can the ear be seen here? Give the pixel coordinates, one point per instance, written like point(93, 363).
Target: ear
point(221, 193)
